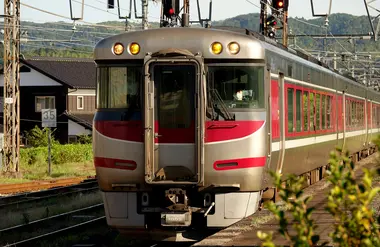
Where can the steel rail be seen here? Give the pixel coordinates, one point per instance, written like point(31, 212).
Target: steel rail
point(46, 194)
point(18, 228)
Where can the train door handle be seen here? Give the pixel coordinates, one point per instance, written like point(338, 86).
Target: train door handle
point(156, 135)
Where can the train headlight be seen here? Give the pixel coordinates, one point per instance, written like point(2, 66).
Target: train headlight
point(234, 48)
point(216, 48)
point(118, 49)
point(134, 48)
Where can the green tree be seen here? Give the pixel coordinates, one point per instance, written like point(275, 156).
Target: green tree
point(37, 137)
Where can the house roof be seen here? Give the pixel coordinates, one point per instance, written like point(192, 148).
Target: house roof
point(77, 73)
point(83, 119)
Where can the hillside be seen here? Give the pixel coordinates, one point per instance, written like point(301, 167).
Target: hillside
point(79, 41)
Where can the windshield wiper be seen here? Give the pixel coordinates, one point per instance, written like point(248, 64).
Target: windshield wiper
point(223, 111)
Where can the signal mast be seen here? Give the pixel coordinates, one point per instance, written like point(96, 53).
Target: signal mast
point(170, 13)
point(269, 25)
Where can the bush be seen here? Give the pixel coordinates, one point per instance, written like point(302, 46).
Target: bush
point(292, 195)
point(359, 227)
point(84, 139)
point(60, 154)
point(37, 137)
point(348, 202)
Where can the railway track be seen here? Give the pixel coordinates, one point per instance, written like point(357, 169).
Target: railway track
point(39, 185)
point(87, 186)
point(76, 220)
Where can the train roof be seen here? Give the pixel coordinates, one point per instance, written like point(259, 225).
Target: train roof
point(252, 44)
point(196, 40)
point(271, 42)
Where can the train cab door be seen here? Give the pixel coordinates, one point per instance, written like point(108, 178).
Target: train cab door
point(173, 143)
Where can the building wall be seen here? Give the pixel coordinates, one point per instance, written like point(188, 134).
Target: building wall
point(75, 130)
point(33, 78)
point(88, 97)
point(34, 84)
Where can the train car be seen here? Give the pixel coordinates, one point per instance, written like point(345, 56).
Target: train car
point(190, 120)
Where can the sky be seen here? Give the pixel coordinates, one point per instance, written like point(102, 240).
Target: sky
point(96, 10)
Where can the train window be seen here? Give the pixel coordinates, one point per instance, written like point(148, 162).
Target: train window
point(328, 112)
point(119, 87)
point(312, 111)
point(318, 111)
point(237, 86)
point(290, 70)
point(323, 112)
point(298, 110)
point(353, 113)
point(348, 112)
point(305, 102)
point(290, 109)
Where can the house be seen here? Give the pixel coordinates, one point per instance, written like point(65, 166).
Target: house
point(66, 84)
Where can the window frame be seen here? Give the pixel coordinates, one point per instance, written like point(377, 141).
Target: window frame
point(265, 86)
point(78, 100)
point(118, 65)
point(44, 97)
point(309, 112)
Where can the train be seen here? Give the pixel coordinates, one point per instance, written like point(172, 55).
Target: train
point(190, 121)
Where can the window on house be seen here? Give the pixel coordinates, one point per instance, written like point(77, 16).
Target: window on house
point(79, 102)
point(44, 102)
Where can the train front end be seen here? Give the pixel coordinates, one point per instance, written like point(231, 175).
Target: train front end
point(181, 133)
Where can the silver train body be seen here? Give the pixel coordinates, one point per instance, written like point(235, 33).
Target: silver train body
point(186, 129)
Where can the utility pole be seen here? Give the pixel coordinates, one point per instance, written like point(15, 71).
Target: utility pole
point(285, 26)
point(186, 13)
point(263, 17)
point(11, 85)
point(144, 14)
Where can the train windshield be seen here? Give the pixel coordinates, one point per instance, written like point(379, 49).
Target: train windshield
point(119, 87)
point(236, 86)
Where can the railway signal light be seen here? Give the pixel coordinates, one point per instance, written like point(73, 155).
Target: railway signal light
point(171, 7)
point(280, 4)
point(271, 21)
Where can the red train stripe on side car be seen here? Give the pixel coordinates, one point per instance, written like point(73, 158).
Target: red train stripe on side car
point(115, 163)
point(222, 165)
point(216, 131)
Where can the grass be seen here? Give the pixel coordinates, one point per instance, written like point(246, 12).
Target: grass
point(40, 172)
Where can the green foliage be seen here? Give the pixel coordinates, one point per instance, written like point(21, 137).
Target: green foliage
point(60, 154)
point(292, 195)
point(84, 139)
point(349, 203)
point(39, 137)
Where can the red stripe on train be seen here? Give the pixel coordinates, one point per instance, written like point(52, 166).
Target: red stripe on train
point(222, 165)
point(215, 131)
point(115, 163)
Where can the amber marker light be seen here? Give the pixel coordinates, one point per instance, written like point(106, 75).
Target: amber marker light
point(134, 48)
point(216, 48)
point(118, 49)
point(234, 48)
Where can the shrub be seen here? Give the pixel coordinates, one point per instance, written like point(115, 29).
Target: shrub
point(292, 195)
point(358, 227)
point(348, 202)
point(84, 139)
point(39, 137)
point(60, 154)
